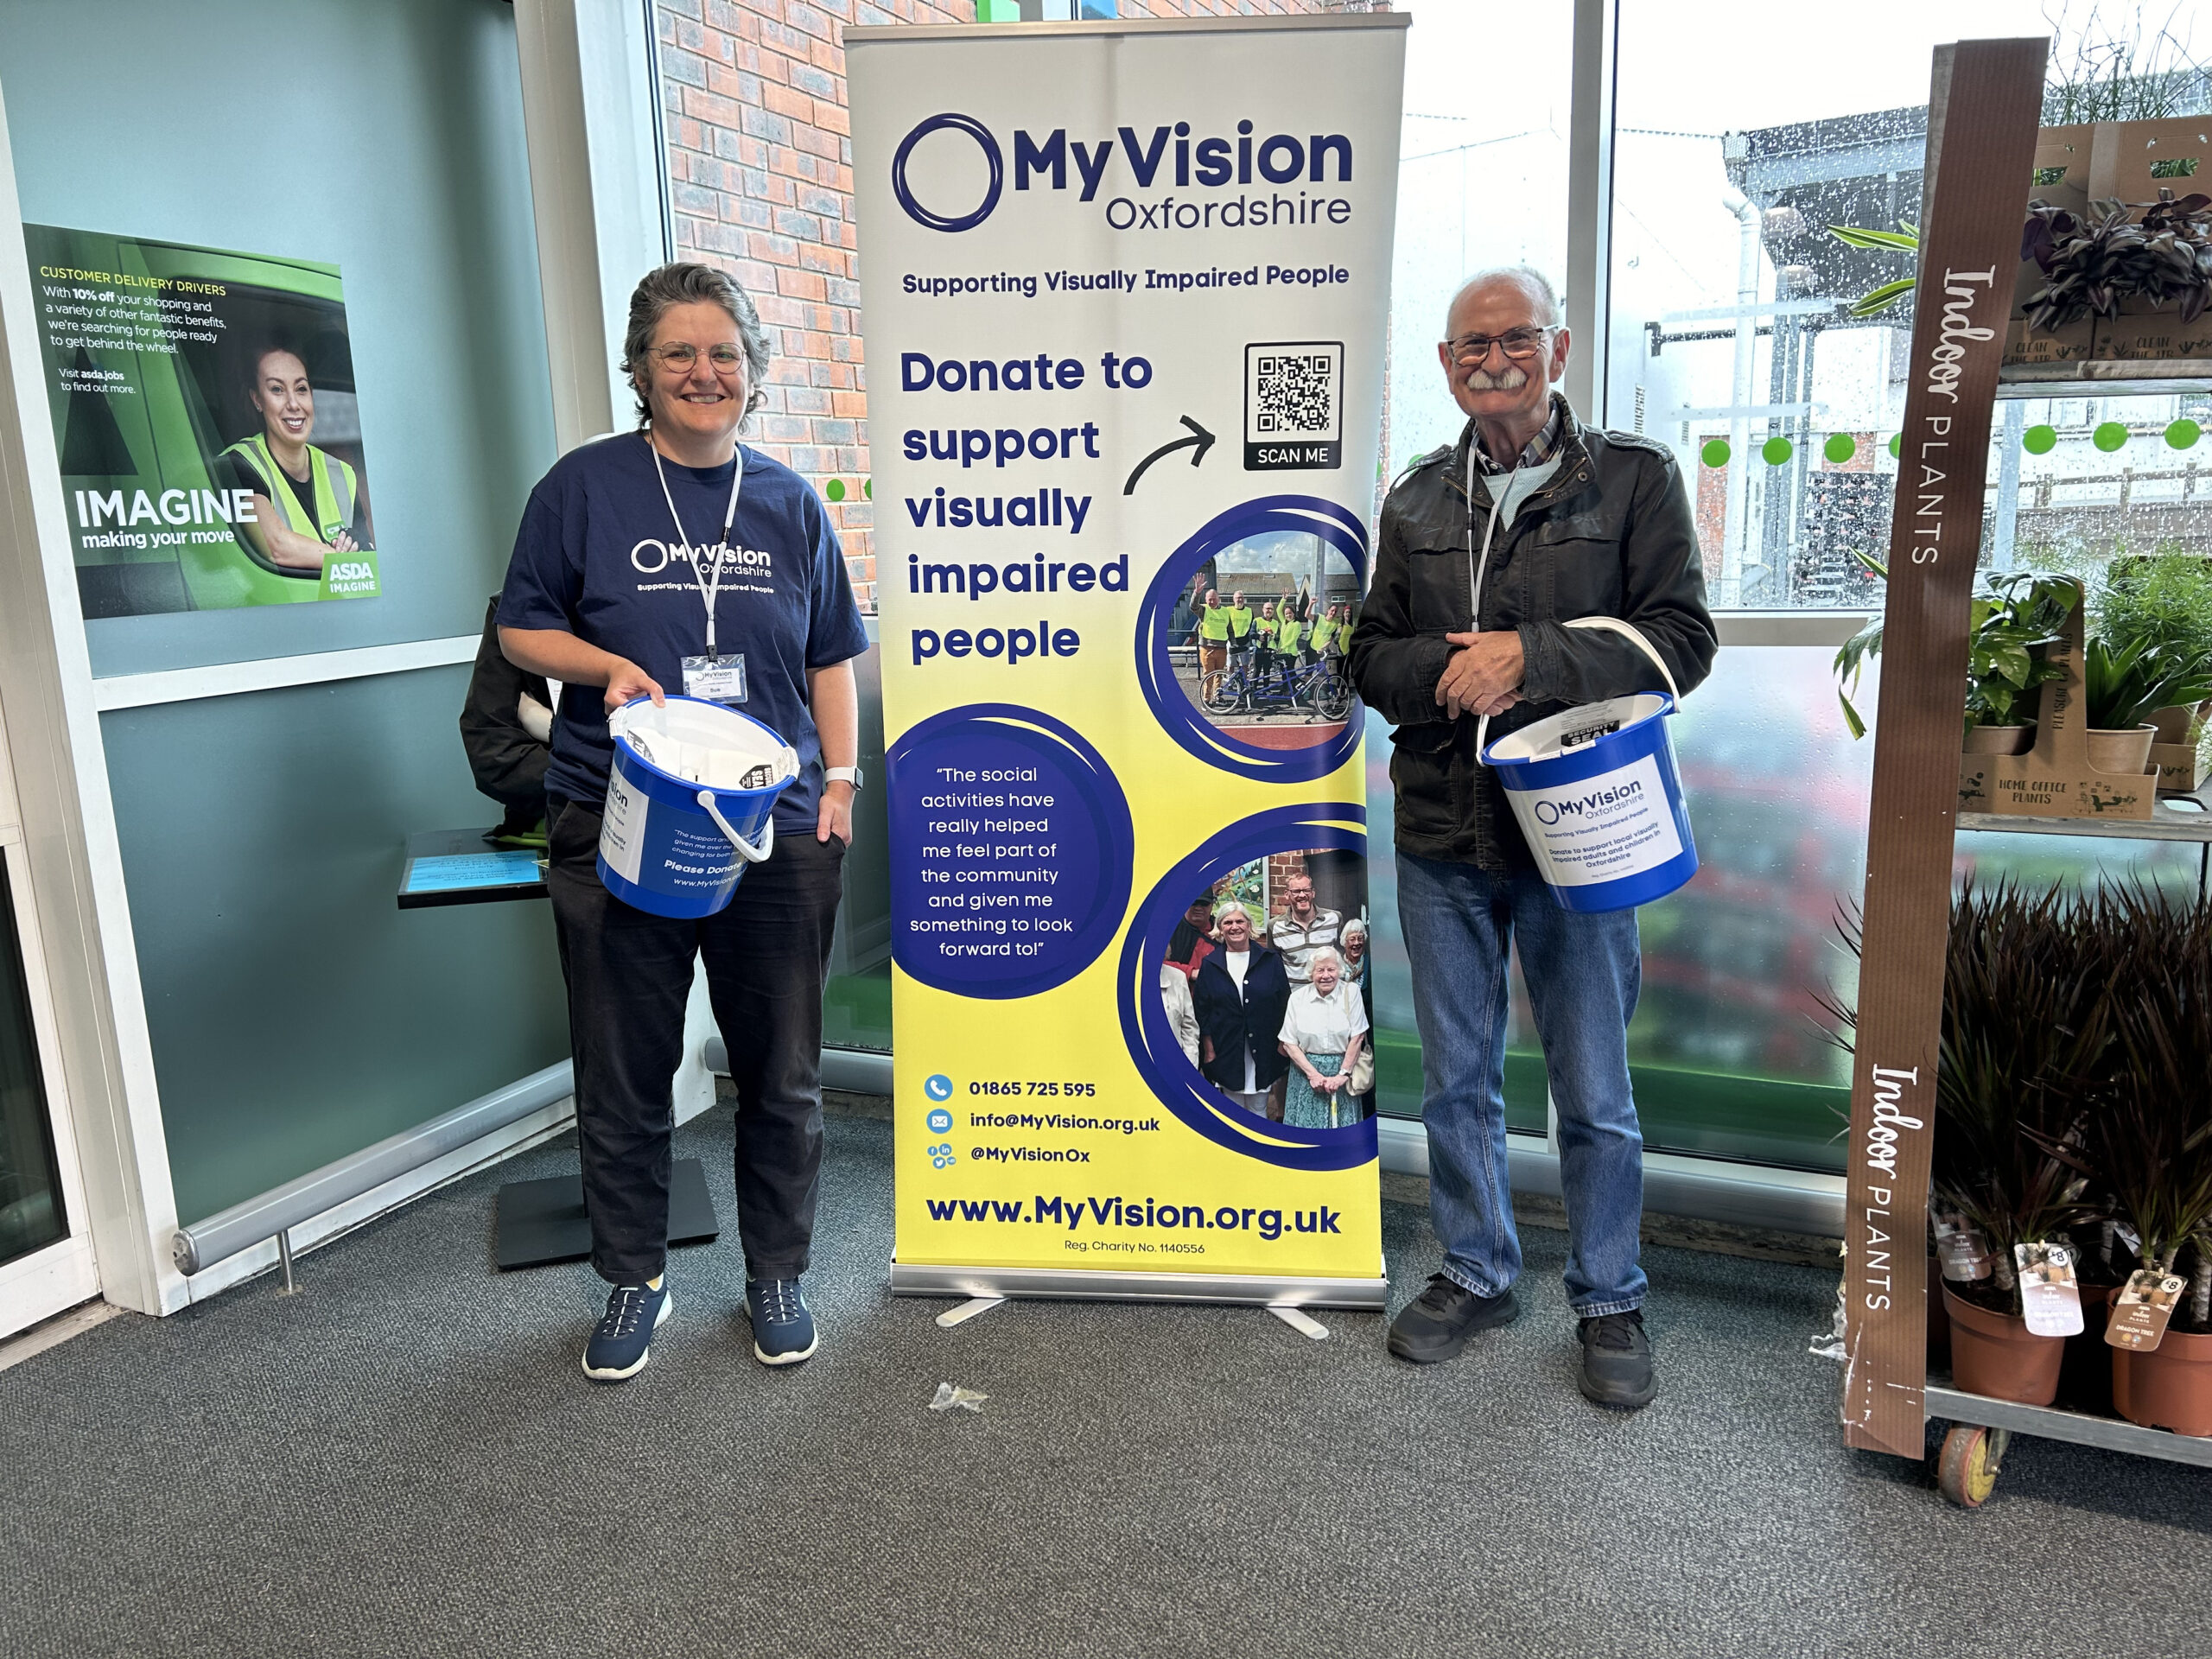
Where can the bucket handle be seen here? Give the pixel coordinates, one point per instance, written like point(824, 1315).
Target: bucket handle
point(1607, 625)
point(745, 849)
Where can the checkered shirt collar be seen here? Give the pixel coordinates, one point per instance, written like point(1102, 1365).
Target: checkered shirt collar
point(1539, 450)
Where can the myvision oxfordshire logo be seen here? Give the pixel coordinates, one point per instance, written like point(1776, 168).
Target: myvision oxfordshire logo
point(1169, 157)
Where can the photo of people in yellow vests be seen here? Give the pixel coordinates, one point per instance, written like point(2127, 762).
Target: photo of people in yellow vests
point(305, 500)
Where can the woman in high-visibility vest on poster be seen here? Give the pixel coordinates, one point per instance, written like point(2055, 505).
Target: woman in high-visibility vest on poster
point(305, 500)
point(1213, 634)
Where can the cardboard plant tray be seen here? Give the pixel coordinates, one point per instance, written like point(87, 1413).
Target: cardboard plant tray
point(2055, 779)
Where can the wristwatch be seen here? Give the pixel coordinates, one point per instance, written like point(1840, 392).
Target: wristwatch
point(841, 775)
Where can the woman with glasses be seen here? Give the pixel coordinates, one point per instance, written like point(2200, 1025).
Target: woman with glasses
point(671, 560)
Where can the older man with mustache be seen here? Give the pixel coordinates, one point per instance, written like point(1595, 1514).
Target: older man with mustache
point(1487, 549)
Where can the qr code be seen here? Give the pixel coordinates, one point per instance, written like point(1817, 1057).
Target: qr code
point(1293, 404)
point(1295, 391)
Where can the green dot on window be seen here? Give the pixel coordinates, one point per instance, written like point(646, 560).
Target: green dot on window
point(868, 488)
point(836, 491)
point(2183, 435)
point(1715, 452)
point(1774, 451)
point(2039, 440)
point(2109, 436)
point(1897, 445)
point(1839, 448)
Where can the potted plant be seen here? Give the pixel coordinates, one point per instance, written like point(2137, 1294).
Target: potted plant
point(2164, 603)
point(2026, 1024)
point(2151, 1145)
point(2121, 685)
point(2015, 615)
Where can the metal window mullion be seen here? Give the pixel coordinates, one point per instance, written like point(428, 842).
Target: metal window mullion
point(1590, 203)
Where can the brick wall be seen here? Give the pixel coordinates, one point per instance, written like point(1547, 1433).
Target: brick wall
point(761, 175)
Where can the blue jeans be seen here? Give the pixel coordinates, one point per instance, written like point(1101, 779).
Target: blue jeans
point(1583, 974)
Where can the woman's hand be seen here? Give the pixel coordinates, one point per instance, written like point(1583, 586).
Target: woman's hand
point(343, 541)
point(835, 817)
point(626, 681)
point(1332, 1085)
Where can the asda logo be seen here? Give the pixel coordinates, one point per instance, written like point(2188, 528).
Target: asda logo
point(966, 188)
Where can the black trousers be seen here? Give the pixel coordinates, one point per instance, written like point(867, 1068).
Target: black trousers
point(629, 975)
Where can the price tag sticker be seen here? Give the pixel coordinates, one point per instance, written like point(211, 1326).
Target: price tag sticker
point(2050, 1297)
point(717, 679)
point(2143, 1310)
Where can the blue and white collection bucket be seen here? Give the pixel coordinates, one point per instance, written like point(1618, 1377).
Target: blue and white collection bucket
point(690, 802)
point(1598, 794)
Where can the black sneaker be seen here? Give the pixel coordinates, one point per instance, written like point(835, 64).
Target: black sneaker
point(1616, 1368)
point(1436, 1324)
point(620, 1347)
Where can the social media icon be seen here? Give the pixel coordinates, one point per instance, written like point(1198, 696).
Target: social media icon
point(940, 1121)
point(941, 1156)
point(938, 1087)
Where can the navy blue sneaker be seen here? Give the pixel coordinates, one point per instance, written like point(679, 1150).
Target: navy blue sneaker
point(623, 1342)
point(782, 1325)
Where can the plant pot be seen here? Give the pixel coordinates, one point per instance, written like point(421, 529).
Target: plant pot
point(2085, 1375)
point(2171, 1387)
point(2000, 739)
point(1996, 1355)
point(1939, 1321)
point(2127, 751)
point(2172, 722)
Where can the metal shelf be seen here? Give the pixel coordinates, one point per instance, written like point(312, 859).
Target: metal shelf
point(2101, 380)
point(2049, 1423)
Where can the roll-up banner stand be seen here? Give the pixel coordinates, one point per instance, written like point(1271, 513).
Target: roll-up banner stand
point(1124, 289)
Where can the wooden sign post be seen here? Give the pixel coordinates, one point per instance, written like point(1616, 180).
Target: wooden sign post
point(1983, 110)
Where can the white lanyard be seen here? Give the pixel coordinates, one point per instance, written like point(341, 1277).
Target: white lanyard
point(709, 588)
point(1477, 572)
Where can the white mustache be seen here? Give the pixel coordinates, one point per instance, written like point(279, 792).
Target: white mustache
point(1508, 379)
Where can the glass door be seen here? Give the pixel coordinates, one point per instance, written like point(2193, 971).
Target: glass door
point(45, 1257)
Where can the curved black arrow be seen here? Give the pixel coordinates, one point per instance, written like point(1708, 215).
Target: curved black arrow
point(1199, 435)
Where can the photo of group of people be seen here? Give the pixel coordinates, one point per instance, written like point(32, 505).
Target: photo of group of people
point(1258, 637)
point(1265, 982)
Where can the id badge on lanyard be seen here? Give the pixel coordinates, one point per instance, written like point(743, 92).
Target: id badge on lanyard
point(716, 676)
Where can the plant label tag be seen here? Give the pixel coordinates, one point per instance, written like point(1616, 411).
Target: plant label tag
point(2145, 1305)
point(1960, 1250)
point(716, 679)
point(2049, 1295)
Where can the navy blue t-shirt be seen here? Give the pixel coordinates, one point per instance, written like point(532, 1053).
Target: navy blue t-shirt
point(598, 557)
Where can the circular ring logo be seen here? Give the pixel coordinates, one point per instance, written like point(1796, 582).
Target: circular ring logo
point(989, 146)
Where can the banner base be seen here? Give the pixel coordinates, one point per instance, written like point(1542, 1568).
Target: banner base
point(1258, 1290)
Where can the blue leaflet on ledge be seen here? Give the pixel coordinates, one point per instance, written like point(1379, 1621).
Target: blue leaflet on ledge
point(446, 873)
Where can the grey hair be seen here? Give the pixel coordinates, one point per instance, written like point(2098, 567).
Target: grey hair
point(1353, 926)
point(1313, 960)
point(683, 283)
point(1534, 283)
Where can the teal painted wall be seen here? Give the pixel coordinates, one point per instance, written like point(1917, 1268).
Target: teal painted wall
point(296, 1013)
point(385, 138)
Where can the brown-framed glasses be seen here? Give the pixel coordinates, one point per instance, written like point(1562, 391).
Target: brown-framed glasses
point(682, 355)
point(1519, 345)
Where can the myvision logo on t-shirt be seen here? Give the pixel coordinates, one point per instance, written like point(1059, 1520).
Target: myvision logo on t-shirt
point(653, 558)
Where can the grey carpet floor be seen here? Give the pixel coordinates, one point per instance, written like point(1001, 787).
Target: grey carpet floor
point(406, 1460)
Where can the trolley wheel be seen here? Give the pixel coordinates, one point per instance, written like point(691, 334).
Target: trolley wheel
point(1968, 1465)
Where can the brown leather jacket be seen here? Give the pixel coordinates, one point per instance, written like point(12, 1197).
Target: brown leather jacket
point(1609, 535)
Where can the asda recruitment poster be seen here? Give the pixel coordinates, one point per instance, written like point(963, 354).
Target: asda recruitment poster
point(204, 411)
point(1124, 290)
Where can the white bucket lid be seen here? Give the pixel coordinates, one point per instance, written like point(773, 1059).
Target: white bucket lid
point(1578, 729)
point(704, 743)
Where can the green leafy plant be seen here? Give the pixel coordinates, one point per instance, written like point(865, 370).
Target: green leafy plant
point(2015, 615)
point(2121, 685)
point(1903, 239)
point(2163, 601)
